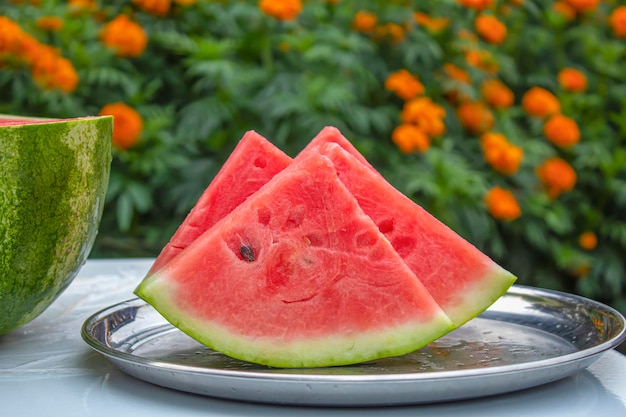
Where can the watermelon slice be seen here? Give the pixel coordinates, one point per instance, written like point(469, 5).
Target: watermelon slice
point(462, 279)
point(297, 276)
point(251, 164)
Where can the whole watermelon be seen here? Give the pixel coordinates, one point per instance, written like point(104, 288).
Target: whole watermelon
point(53, 180)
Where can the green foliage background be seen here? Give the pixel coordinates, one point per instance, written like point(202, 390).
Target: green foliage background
point(215, 69)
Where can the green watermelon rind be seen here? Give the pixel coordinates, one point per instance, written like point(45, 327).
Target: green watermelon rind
point(333, 350)
point(481, 295)
point(38, 182)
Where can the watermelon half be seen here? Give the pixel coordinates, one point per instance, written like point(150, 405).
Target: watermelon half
point(297, 276)
point(53, 180)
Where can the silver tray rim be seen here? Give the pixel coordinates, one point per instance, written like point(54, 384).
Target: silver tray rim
point(551, 368)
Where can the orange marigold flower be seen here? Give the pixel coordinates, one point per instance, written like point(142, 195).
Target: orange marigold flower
point(65, 77)
point(482, 60)
point(475, 116)
point(617, 21)
point(490, 28)
point(393, 31)
point(476, 4)
point(564, 9)
point(10, 35)
point(364, 21)
point(78, 6)
point(458, 90)
point(127, 124)
point(557, 176)
point(125, 36)
point(404, 84)
point(562, 131)
point(409, 138)
point(433, 24)
point(43, 64)
point(30, 49)
point(457, 73)
point(541, 103)
point(51, 71)
point(50, 23)
point(468, 36)
point(281, 9)
point(572, 80)
point(155, 7)
point(583, 5)
point(426, 115)
point(502, 155)
point(502, 204)
point(497, 94)
point(588, 240)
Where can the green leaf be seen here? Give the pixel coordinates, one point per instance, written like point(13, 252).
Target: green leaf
point(124, 211)
point(140, 196)
point(110, 78)
point(177, 42)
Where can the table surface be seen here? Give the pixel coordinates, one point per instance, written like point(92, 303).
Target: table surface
point(47, 370)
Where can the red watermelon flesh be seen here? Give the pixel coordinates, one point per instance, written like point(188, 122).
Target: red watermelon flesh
point(253, 162)
point(25, 121)
point(297, 276)
point(462, 279)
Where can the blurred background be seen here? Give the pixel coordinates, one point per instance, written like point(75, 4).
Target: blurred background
point(503, 118)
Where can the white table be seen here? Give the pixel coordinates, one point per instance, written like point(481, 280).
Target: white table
point(46, 370)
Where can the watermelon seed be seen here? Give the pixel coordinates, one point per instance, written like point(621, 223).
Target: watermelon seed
point(247, 253)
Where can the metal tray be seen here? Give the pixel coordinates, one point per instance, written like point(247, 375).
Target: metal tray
point(527, 338)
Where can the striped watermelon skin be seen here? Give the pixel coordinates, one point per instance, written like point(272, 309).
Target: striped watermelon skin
point(53, 180)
